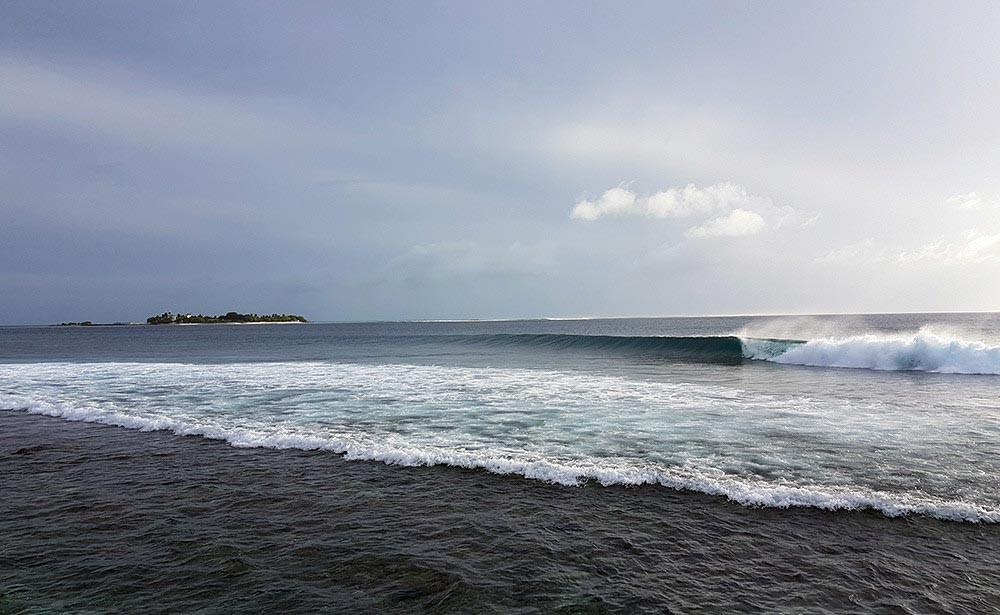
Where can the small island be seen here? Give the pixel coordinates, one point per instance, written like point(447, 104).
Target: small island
point(169, 318)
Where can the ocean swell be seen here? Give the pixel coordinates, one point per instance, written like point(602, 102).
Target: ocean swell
point(725, 349)
point(921, 351)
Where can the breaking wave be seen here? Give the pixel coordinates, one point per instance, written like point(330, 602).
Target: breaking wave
point(922, 351)
point(743, 491)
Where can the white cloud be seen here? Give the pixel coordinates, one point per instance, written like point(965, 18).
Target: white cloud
point(616, 201)
point(736, 212)
point(691, 200)
point(971, 200)
point(977, 248)
point(974, 248)
point(673, 203)
point(737, 223)
point(637, 134)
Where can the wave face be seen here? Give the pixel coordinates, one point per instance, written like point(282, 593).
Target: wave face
point(922, 351)
point(724, 349)
point(780, 449)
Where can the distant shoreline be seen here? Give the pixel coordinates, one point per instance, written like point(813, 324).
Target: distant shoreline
point(186, 318)
point(255, 322)
point(183, 324)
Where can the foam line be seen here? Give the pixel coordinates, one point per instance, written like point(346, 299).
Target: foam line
point(749, 493)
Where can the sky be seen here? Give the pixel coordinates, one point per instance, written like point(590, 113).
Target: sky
point(425, 160)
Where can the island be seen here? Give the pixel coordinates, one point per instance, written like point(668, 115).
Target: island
point(169, 318)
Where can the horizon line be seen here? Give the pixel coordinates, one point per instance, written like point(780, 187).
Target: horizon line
point(569, 318)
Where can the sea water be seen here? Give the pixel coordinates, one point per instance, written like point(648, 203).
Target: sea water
point(896, 413)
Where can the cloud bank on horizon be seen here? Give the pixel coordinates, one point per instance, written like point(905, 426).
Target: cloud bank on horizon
point(354, 161)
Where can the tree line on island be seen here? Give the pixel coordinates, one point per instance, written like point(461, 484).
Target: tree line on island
point(169, 318)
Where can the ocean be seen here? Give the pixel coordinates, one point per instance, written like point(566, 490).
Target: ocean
point(798, 463)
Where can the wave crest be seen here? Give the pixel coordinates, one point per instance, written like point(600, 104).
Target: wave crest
point(922, 351)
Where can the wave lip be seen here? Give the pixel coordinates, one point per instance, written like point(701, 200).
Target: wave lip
point(746, 492)
point(922, 351)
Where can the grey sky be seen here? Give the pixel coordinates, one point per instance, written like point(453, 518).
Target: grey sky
point(446, 160)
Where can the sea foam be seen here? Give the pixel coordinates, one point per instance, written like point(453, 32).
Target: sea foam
point(710, 481)
point(922, 351)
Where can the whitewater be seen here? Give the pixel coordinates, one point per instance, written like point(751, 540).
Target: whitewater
point(923, 350)
point(687, 423)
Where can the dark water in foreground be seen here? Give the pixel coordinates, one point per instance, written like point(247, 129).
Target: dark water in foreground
point(100, 519)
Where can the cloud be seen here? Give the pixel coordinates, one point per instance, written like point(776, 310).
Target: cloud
point(635, 132)
point(691, 200)
point(737, 212)
point(673, 203)
point(974, 248)
point(616, 201)
point(971, 200)
point(737, 223)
